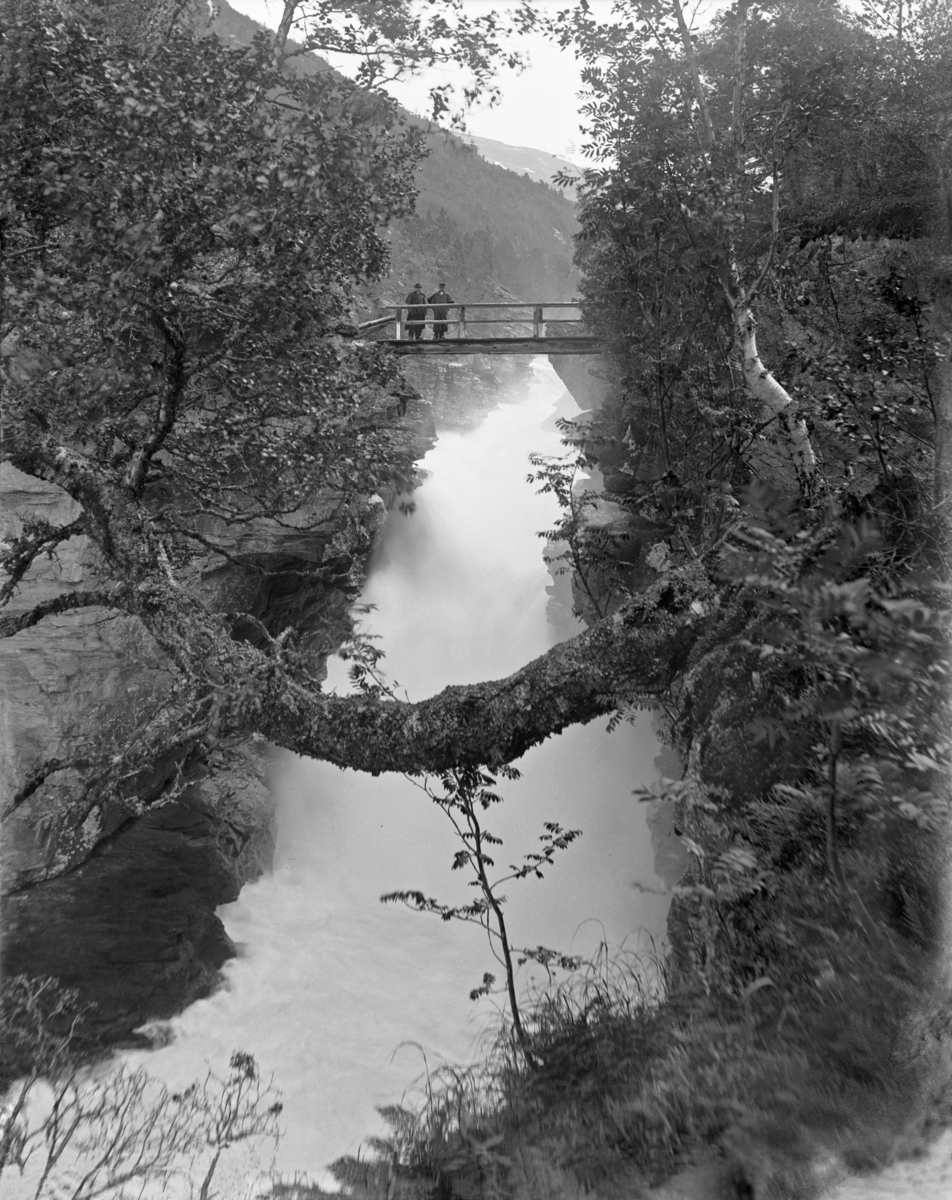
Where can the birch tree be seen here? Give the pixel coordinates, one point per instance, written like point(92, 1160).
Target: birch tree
point(679, 150)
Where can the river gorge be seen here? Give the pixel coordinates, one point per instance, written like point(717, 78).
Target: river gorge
point(347, 1001)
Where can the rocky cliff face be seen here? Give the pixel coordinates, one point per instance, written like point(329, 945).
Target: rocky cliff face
point(122, 907)
point(587, 378)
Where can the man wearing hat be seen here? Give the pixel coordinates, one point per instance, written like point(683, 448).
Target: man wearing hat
point(439, 300)
point(416, 313)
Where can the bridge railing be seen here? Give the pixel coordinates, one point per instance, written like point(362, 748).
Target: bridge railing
point(468, 315)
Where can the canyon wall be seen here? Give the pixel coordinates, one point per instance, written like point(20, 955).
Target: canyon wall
point(117, 905)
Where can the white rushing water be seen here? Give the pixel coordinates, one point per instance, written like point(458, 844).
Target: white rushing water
point(339, 996)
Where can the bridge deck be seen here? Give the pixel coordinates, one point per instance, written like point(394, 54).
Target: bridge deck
point(495, 345)
point(460, 318)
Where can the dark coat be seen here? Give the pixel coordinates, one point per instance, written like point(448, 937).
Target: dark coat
point(440, 300)
point(417, 302)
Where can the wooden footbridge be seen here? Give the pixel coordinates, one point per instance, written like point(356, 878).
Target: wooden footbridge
point(532, 328)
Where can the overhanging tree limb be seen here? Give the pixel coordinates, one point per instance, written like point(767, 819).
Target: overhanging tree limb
point(638, 651)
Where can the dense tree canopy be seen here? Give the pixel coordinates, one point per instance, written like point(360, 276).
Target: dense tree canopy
point(762, 179)
point(182, 231)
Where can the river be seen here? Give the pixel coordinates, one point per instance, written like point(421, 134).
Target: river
point(345, 1000)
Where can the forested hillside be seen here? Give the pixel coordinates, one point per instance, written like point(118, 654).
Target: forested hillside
point(485, 228)
point(481, 227)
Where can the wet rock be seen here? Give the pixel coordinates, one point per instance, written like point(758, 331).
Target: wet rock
point(133, 927)
point(584, 377)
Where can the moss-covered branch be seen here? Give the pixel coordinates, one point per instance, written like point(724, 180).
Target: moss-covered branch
point(66, 602)
point(636, 652)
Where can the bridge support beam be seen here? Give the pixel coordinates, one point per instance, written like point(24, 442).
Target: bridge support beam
point(526, 345)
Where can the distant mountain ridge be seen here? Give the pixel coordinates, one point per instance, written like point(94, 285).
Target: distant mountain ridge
point(524, 160)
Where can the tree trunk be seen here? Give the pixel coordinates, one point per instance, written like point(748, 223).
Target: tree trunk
point(772, 395)
point(237, 689)
point(635, 651)
point(283, 31)
point(941, 384)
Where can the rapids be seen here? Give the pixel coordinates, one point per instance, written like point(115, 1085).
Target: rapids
point(344, 1000)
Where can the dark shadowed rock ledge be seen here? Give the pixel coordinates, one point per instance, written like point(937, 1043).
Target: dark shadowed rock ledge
point(133, 927)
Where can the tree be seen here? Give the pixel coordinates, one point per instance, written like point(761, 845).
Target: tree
point(175, 302)
point(730, 164)
point(688, 200)
point(68, 1133)
point(464, 796)
point(392, 39)
point(175, 362)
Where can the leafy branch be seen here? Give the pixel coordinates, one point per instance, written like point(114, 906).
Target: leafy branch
point(590, 553)
point(465, 793)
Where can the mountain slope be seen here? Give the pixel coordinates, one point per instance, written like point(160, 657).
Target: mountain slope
point(539, 165)
point(485, 228)
point(488, 230)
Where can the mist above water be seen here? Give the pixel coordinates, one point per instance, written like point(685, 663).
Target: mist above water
point(337, 995)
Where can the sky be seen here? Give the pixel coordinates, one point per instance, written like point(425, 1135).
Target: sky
point(539, 108)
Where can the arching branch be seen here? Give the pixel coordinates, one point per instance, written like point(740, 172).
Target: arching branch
point(636, 652)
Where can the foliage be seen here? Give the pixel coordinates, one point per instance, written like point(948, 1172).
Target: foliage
point(391, 39)
point(183, 233)
point(590, 550)
point(813, 652)
point(466, 792)
point(172, 295)
point(69, 1132)
point(874, 670)
point(722, 174)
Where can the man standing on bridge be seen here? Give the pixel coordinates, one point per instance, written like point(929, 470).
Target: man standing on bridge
point(416, 313)
point(440, 300)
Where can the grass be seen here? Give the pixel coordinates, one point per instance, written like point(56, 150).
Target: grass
point(789, 1027)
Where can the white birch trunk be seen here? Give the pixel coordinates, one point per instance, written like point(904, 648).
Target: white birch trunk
point(772, 395)
point(941, 330)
